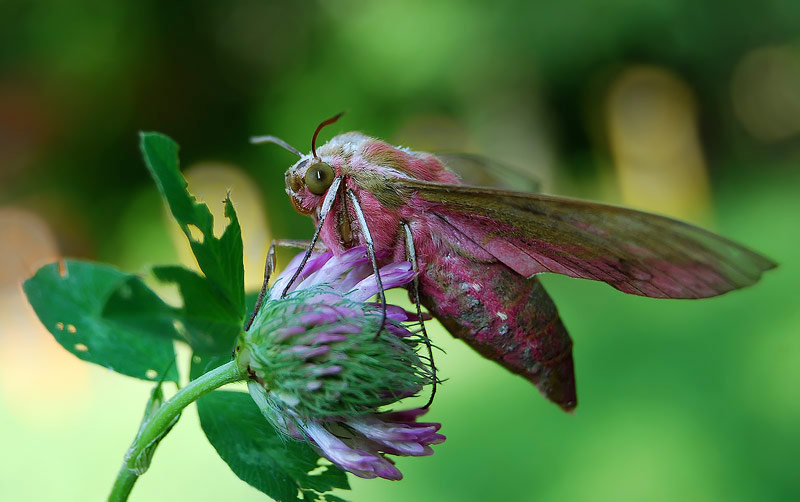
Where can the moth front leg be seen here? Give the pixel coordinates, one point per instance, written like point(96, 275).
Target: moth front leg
point(327, 203)
point(362, 223)
point(270, 265)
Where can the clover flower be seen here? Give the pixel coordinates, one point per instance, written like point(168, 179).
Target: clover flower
point(322, 370)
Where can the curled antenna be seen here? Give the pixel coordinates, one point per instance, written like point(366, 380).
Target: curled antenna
point(256, 140)
point(319, 128)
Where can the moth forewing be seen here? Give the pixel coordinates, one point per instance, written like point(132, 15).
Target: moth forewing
point(636, 252)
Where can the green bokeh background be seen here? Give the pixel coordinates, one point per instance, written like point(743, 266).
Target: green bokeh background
point(679, 400)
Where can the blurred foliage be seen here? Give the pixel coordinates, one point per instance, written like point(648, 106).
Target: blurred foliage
point(81, 78)
point(679, 399)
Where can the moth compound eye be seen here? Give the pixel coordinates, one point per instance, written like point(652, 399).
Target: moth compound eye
point(319, 177)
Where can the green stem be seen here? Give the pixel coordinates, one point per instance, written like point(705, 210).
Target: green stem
point(159, 423)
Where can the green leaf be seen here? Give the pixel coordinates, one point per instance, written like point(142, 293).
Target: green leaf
point(136, 306)
point(89, 309)
point(332, 498)
point(209, 327)
point(312, 496)
point(220, 259)
point(258, 454)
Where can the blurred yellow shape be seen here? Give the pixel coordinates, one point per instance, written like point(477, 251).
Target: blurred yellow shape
point(210, 182)
point(653, 134)
point(766, 92)
point(36, 374)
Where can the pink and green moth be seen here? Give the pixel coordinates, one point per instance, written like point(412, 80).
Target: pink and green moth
point(478, 250)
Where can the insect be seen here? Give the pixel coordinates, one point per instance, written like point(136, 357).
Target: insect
point(478, 250)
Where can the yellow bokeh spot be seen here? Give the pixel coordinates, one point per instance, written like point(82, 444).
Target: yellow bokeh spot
point(652, 124)
point(210, 182)
point(36, 373)
point(765, 90)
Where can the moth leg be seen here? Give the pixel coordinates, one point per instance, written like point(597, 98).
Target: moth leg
point(323, 213)
point(362, 222)
point(269, 267)
point(411, 254)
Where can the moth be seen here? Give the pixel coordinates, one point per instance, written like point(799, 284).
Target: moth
point(478, 250)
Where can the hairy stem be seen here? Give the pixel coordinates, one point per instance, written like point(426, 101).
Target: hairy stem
point(159, 423)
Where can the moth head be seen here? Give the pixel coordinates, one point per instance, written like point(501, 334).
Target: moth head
point(307, 182)
point(309, 179)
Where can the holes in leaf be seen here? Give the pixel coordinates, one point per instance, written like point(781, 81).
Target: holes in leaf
point(179, 327)
point(323, 465)
point(151, 374)
point(60, 326)
point(71, 328)
point(320, 469)
point(195, 233)
point(80, 347)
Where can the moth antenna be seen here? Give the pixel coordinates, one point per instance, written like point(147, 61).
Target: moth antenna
point(362, 222)
point(257, 140)
point(319, 128)
point(412, 257)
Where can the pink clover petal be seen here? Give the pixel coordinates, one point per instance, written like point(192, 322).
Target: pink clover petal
point(412, 316)
point(323, 298)
point(349, 311)
point(285, 332)
point(294, 263)
point(307, 352)
point(377, 430)
point(355, 255)
point(396, 274)
point(392, 276)
point(328, 338)
point(407, 439)
point(344, 329)
point(403, 416)
point(319, 371)
point(398, 331)
point(361, 463)
point(317, 317)
point(396, 313)
point(314, 263)
point(353, 277)
point(336, 267)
